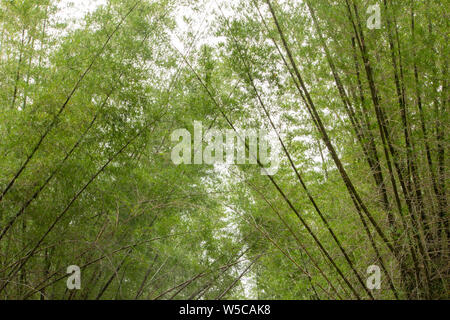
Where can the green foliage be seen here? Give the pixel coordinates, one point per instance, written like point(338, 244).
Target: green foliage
point(86, 176)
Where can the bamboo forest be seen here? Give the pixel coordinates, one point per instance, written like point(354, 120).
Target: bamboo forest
point(224, 150)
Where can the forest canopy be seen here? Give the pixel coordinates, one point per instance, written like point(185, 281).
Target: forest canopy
point(212, 149)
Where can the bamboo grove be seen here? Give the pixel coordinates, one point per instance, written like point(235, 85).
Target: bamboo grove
point(88, 105)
